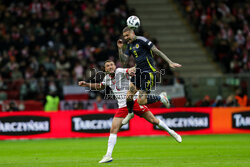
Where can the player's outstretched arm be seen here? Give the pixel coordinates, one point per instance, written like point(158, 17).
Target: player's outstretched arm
point(123, 57)
point(161, 54)
point(97, 86)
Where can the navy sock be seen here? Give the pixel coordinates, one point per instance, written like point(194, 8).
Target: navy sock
point(130, 105)
point(152, 99)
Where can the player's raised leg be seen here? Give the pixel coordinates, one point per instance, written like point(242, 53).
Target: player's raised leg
point(148, 81)
point(130, 103)
point(152, 119)
point(144, 98)
point(116, 124)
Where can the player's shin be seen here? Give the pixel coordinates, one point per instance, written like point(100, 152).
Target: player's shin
point(153, 99)
point(163, 126)
point(111, 143)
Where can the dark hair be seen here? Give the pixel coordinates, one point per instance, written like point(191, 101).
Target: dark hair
point(108, 61)
point(127, 29)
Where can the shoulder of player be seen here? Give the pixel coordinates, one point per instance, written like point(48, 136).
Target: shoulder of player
point(121, 70)
point(141, 38)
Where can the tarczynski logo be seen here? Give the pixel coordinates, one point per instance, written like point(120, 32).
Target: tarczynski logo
point(184, 121)
point(94, 123)
point(24, 125)
point(241, 120)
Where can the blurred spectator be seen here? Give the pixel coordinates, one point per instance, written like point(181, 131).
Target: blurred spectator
point(51, 102)
point(188, 103)
point(218, 102)
point(3, 85)
point(205, 101)
point(23, 91)
point(3, 95)
point(11, 106)
point(231, 101)
point(241, 97)
point(21, 106)
point(16, 74)
point(178, 79)
point(33, 88)
point(78, 105)
point(99, 104)
point(78, 70)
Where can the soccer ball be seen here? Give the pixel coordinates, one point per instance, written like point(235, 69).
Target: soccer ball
point(133, 22)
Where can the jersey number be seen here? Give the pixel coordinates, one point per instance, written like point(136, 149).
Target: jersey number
point(135, 53)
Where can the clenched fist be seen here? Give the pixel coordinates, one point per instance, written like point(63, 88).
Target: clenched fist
point(82, 83)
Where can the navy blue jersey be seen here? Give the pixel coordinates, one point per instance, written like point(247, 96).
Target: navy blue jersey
point(140, 48)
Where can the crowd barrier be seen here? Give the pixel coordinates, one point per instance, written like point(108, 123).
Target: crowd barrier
point(71, 124)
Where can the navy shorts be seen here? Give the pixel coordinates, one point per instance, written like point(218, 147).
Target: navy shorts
point(144, 80)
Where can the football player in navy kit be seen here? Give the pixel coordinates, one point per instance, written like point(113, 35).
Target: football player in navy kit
point(142, 50)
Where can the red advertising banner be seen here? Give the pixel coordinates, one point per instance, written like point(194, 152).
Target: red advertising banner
point(70, 124)
point(231, 120)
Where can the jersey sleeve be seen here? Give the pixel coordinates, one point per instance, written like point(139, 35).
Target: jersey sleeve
point(122, 70)
point(122, 73)
point(145, 42)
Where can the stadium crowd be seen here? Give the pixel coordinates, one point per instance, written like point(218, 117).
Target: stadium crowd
point(224, 28)
point(43, 41)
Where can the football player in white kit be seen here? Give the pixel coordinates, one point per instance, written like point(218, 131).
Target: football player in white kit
point(118, 80)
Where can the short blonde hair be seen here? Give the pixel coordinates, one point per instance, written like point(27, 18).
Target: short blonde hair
point(127, 29)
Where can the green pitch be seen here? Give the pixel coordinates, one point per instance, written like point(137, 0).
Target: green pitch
point(195, 151)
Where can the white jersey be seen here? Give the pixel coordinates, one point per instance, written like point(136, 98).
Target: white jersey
point(119, 85)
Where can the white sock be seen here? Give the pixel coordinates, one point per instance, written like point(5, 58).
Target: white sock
point(111, 143)
point(162, 125)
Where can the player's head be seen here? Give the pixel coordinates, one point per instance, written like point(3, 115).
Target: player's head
point(128, 34)
point(109, 66)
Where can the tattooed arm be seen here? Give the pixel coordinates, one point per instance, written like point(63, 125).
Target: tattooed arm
point(162, 55)
point(123, 57)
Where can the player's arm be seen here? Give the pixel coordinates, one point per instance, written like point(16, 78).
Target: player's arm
point(131, 71)
point(97, 86)
point(127, 71)
point(162, 55)
point(122, 56)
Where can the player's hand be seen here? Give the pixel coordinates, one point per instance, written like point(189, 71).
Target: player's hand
point(82, 83)
point(119, 43)
point(131, 71)
point(174, 65)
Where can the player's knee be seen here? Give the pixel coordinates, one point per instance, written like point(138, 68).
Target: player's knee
point(114, 129)
point(153, 120)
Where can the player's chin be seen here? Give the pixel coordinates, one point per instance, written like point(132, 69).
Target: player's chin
point(112, 72)
point(128, 41)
